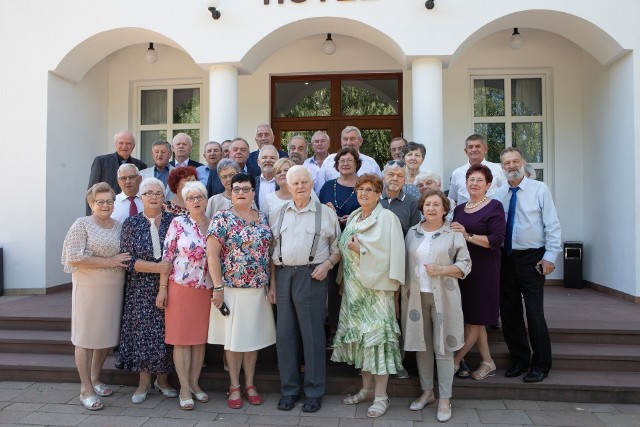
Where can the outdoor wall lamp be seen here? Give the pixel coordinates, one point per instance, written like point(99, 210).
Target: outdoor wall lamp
point(151, 56)
point(329, 46)
point(430, 4)
point(212, 6)
point(515, 40)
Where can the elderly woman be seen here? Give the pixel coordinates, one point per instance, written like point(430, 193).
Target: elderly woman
point(430, 180)
point(481, 222)
point(185, 294)
point(177, 178)
point(281, 196)
point(432, 315)
point(142, 346)
point(413, 156)
point(238, 243)
point(340, 193)
point(373, 261)
point(91, 253)
point(227, 169)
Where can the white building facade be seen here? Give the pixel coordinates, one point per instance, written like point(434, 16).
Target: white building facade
point(74, 73)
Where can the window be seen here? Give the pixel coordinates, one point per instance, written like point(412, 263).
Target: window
point(510, 112)
point(164, 111)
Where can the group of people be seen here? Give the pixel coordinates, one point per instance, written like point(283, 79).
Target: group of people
point(385, 258)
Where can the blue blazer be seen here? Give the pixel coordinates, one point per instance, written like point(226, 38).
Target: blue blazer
point(214, 185)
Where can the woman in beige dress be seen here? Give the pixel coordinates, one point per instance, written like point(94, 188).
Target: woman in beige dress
point(91, 253)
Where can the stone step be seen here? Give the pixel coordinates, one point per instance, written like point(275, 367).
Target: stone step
point(35, 341)
point(562, 384)
point(35, 323)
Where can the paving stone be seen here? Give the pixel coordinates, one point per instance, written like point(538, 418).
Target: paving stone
point(565, 418)
point(522, 404)
point(319, 421)
point(394, 412)
point(4, 404)
point(218, 424)
point(152, 401)
point(8, 394)
point(12, 416)
point(458, 415)
point(27, 407)
point(332, 406)
point(494, 425)
point(62, 408)
point(191, 415)
point(384, 422)
point(356, 422)
point(281, 420)
point(45, 395)
point(119, 421)
point(478, 404)
point(169, 422)
point(628, 408)
point(506, 416)
point(144, 412)
point(619, 420)
point(573, 406)
point(57, 386)
point(53, 419)
point(17, 385)
point(233, 418)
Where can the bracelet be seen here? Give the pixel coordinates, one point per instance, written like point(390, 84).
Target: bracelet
point(218, 289)
point(163, 286)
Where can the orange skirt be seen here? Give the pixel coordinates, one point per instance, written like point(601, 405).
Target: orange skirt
point(187, 315)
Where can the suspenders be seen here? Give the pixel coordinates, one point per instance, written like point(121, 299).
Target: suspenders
point(314, 246)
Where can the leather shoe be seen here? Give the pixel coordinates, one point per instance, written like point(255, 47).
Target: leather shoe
point(534, 376)
point(516, 371)
point(312, 404)
point(287, 403)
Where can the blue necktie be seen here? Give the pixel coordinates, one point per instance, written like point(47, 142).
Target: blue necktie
point(511, 215)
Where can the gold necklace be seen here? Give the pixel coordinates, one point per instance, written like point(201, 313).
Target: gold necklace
point(475, 205)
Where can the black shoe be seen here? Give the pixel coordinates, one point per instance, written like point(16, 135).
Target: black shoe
point(535, 376)
point(118, 364)
point(312, 404)
point(463, 371)
point(516, 371)
point(287, 403)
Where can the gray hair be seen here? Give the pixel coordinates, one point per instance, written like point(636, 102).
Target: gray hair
point(512, 150)
point(193, 186)
point(529, 171)
point(395, 165)
point(128, 166)
point(299, 168)
point(161, 142)
point(321, 132)
point(122, 132)
point(269, 147)
point(426, 176)
point(264, 125)
point(212, 143)
point(227, 163)
point(100, 187)
point(182, 135)
point(306, 143)
point(352, 129)
point(150, 182)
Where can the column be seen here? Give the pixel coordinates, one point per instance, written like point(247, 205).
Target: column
point(223, 102)
point(428, 112)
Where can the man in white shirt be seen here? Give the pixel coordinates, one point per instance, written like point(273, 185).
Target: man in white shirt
point(266, 182)
point(475, 147)
point(351, 137)
point(161, 153)
point(127, 202)
point(320, 145)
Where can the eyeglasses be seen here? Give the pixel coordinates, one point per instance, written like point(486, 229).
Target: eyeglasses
point(155, 195)
point(476, 181)
point(228, 176)
point(395, 162)
point(102, 202)
point(128, 178)
point(244, 190)
point(195, 198)
point(365, 190)
point(346, 161)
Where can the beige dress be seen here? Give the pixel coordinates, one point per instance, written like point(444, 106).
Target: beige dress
point(96, 298)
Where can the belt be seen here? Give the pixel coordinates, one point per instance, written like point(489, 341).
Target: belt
point(525, 251)
point(293, 267)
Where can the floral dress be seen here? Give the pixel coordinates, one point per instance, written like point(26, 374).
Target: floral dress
point(174, 209)
point(186, 248)
point(368, 334)
point(142, 346)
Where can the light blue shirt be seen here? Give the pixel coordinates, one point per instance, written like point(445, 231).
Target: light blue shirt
point(312, 164)
point(203, 174)
point(536, 222)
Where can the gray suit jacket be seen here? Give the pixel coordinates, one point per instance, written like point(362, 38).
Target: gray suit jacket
point(148, 173)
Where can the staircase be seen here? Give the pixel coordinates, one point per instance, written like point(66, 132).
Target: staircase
point(595, 341)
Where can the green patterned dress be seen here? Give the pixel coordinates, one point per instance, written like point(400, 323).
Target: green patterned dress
point(368, 333)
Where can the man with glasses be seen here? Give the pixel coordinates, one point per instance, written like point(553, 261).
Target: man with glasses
point(127, 202)
point(105, 167)
point(351, 137)
point(476, 148)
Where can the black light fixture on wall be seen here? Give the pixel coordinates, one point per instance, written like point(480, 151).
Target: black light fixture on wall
point(151, 56)
point(213, 6)
point(430, 4)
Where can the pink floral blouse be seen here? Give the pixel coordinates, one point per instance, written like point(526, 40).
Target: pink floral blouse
point(186, 248)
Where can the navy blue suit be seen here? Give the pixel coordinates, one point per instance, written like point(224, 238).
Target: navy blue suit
point(192, 163)
point(214, 185)
point(253, 158)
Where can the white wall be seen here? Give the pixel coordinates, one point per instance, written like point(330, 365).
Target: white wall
point(76, 130)
point(610, 175)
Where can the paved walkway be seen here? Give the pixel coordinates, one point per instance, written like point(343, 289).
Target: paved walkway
point(26, 403)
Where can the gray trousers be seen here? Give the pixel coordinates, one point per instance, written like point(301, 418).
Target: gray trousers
point(424, 359)
point(301, 312)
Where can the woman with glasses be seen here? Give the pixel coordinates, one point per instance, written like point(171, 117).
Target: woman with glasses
point(413, 157)
point(481, 222)
point(91, 253)
point(176, 180)
point(185, 294)
point(238, 243)
point(142, 345)
point(227, 169)
point(368, 334)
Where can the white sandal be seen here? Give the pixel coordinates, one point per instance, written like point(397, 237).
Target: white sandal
point(90, 402)
point(484, 370)
point(361, 396)
point(426, 398)
point(379, 407)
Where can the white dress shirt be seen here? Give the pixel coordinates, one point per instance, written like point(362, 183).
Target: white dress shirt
point(121, 207)
point(536, 222)
point(458, 188)
point(266, 187)
point(312, 164)
point(329, 172)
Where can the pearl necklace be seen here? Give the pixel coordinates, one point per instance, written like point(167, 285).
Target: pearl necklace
point(335, 196)
point(475, 205)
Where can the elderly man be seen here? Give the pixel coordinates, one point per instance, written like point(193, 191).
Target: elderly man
point(531, 246)
point(238, 151)
point(475, 147)
point(298, 149)
point(266, 183)
point(320, 145)
point(351, 137)
point(225, 148)
point(395, 148)
point(264, 136)
point(393, 197)
point(305, 248)
point(105, 167)
point(127, 202)
point(182, 145)
point(212, 155)
point(161, 154)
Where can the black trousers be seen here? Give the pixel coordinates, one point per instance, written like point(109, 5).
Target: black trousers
point(519, 280)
